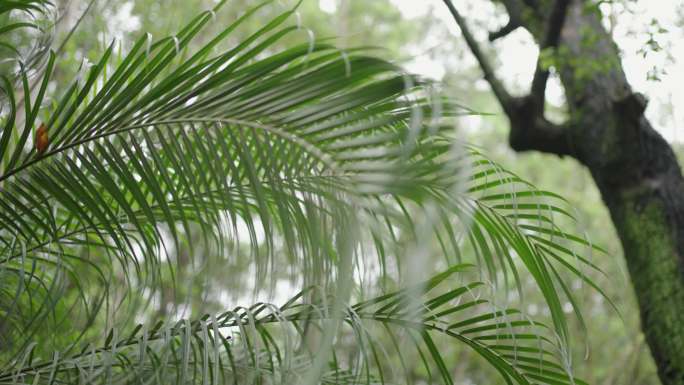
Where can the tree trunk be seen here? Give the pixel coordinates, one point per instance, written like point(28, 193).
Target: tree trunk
point(634, 168)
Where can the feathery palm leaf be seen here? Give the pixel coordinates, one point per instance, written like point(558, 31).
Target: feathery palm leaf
point(268, 343)
point(318, 153)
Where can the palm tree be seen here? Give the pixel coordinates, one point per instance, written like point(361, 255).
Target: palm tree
point(334, 169)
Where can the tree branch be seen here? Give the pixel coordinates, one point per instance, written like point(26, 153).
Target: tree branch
point(531, 3)
point(500, 92)
point(529, 129)
point(511, 26)
point(535, 7)
point(552, 39)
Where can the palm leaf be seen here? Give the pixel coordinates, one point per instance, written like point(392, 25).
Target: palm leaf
point(315, 151)
point(267, 344)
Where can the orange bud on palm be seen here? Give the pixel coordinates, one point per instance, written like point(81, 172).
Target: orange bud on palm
point(42, 139)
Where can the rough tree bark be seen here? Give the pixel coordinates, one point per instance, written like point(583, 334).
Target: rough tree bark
point(634, 168)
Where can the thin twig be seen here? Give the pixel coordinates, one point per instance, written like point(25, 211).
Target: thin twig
point(498, 88)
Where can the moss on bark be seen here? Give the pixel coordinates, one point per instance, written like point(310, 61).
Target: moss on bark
point(654, 263)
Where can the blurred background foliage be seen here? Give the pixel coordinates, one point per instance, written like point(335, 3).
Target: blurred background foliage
point(616, 352)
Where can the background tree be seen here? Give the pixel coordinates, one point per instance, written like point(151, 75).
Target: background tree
point(634, 168)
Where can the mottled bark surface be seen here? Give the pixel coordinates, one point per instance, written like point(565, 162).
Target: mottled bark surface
point(634, 167)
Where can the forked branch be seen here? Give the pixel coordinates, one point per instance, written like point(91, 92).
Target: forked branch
point(530, 130)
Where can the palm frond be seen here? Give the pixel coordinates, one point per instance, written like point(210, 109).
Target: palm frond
point(307, 147)
point(268, 344)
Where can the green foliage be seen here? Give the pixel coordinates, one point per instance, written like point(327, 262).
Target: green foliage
point(25, 34)
point(334, 163)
